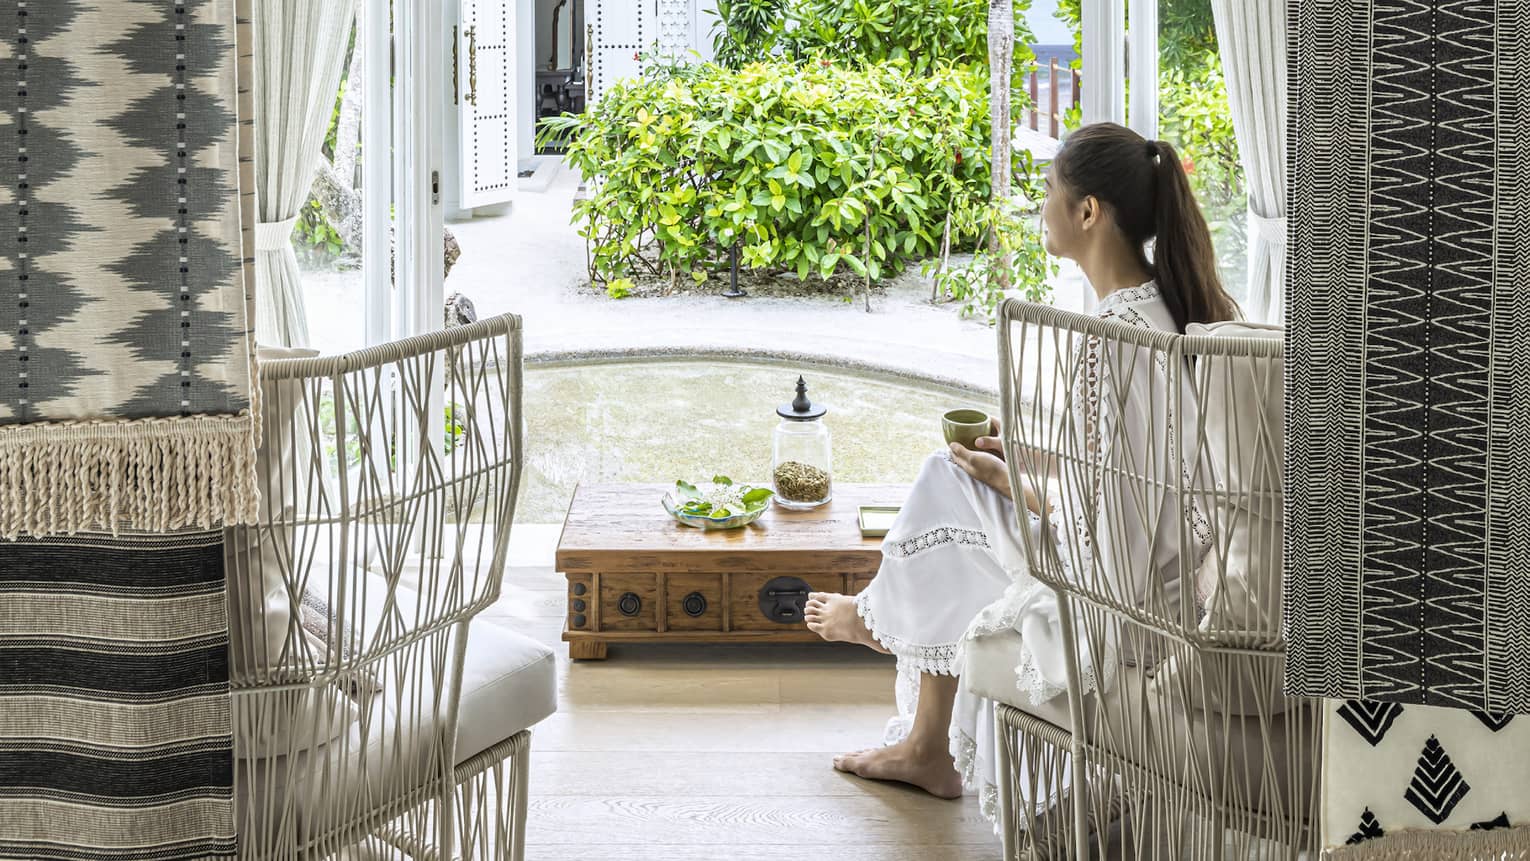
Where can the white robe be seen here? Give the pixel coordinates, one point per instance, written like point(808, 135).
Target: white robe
point(954, 564)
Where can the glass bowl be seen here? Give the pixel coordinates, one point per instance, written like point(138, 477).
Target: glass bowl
point(699, 521)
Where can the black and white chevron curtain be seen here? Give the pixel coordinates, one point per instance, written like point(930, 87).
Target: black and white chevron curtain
point(1408, 417)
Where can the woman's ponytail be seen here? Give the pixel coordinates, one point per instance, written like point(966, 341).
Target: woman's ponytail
point(1184, 260)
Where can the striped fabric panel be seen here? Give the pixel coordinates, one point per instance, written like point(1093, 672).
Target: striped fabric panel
point(1408, 458)
point(115, 733)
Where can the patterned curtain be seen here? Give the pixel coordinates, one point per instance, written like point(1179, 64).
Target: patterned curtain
point(1408, 419)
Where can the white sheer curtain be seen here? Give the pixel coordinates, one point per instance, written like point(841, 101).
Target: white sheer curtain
point(1252, 36)
point(300, 48)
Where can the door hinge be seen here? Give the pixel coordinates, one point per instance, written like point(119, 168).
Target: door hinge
point(435, 187)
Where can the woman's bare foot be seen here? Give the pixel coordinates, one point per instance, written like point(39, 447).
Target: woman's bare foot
point(931, 769)
point(833, 617)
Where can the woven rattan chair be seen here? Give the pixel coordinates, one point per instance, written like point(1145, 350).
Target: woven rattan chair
point(372, 717)
point(1191, 751)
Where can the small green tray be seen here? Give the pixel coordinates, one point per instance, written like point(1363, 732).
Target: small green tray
point(875, 520)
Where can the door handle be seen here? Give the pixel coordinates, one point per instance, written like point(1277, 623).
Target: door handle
point(472, 95)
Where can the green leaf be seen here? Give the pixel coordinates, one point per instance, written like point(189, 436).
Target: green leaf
point(759, 494)
point(687, 489)
point(722, 480)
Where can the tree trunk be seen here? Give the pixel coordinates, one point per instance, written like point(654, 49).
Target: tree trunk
point(944, 260)
point(1001, 55)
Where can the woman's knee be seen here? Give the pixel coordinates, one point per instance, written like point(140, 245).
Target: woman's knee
point(938, 461)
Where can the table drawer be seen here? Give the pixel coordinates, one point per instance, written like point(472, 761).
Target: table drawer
point(629, 602)
point(746, 613)
point(694, 602)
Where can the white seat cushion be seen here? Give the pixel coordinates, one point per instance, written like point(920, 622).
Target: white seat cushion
point(509, 683)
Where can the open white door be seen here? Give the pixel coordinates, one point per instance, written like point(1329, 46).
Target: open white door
point(486, 101)
point(617, 33)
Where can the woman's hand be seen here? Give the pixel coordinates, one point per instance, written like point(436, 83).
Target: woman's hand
point(987, 465)
point(991, 443)
point(983, 466)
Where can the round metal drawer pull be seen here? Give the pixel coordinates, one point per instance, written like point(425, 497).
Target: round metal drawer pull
point(579, 588)
point(695, 604)
point(629, 604)
point(578, 605)
point(579, 621)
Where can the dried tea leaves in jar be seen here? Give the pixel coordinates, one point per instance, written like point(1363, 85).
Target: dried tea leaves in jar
point(801, 482)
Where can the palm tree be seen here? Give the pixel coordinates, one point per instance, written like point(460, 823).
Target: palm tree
point(1001, 55)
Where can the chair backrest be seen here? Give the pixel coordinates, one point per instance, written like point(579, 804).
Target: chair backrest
point(389, 478)
point(1161, 454)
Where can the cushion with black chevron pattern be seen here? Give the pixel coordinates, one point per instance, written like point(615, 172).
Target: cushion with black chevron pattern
point(1437, 785)
point(1370, 719)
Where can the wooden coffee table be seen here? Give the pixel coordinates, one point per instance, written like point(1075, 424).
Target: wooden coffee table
point(635, 575)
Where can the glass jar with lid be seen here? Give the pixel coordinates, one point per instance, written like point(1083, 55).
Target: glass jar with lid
point(801, 456)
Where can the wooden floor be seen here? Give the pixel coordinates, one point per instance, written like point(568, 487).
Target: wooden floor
point(720, 753)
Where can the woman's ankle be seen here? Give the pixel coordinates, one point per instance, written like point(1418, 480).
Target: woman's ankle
point(929, 749)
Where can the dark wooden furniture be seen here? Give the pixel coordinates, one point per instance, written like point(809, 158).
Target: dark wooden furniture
point(635, 575)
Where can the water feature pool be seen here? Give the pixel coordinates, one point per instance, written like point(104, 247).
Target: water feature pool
point(658, 421)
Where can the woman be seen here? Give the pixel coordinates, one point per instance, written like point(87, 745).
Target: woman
point(953, 564)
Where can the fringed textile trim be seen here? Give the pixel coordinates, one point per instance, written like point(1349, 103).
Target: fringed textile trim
point(152, 475)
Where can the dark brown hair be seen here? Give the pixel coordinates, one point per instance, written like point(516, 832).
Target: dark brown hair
point(1144, 186)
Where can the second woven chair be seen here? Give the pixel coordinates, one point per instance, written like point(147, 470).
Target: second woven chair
point(373, 717)
point(1186, 749)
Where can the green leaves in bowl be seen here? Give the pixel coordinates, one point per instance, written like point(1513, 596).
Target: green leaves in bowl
point(724, 498)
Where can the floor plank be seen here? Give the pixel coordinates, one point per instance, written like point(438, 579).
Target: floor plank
point(792, 729)
point(762, 821)
point(719, 753)
point(689, 775)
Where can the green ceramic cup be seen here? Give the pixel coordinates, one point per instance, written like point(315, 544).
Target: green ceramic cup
point(964, 426)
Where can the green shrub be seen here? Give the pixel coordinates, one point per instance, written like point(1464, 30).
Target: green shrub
point(927, 34)
point(976, 283)
point(747, 31)
point(813, 169)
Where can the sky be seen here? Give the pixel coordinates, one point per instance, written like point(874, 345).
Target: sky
point(1048, 30)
